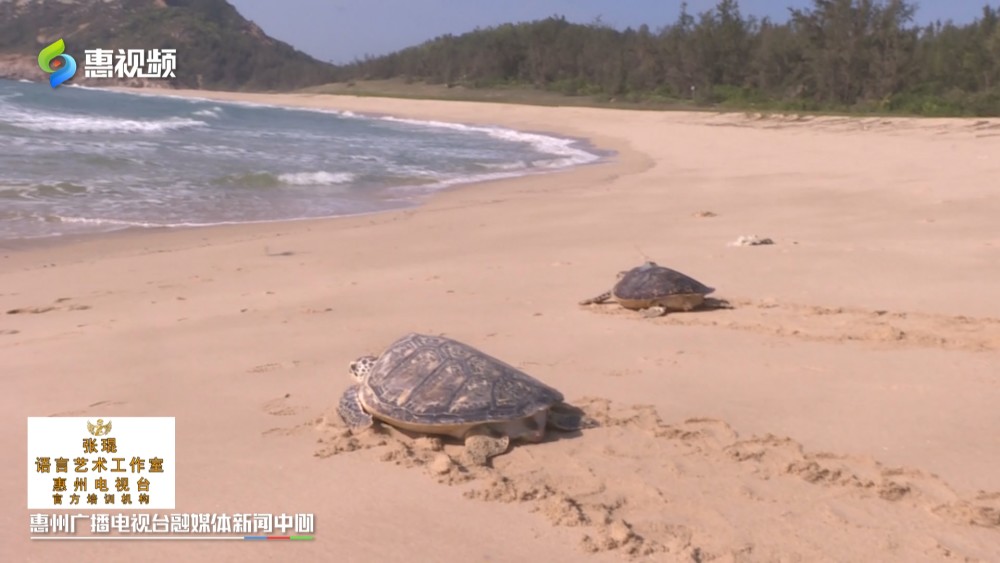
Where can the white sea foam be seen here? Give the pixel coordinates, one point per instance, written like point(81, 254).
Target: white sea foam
point(82, 87)
point(125, 223)
point(414, 171)
point(316, 178)
point(455, 181)
point(237, 103)
point(214, 111)
point(116, 224)
point(562, 148)
point(518, 165)
point(105, 222)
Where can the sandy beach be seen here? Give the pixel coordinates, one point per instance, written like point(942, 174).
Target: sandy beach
point(845, 408)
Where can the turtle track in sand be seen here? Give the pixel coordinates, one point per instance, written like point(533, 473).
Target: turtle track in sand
point(835, 324)
point(698, 491)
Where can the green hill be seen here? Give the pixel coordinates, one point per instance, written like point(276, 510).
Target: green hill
point(216, 47)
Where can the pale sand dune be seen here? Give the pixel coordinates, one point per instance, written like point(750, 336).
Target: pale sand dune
point(845, 408)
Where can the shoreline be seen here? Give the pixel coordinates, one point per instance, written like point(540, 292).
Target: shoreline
point(125, 237)
point(851, 386)
point(55, 240)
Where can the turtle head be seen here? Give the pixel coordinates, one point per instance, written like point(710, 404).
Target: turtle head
point(361, 367)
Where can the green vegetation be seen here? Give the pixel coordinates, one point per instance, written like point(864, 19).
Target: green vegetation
point(839, 55)
point(216, 47)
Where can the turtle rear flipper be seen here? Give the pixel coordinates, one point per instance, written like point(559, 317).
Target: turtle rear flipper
point(351, 411)
point(599, 299)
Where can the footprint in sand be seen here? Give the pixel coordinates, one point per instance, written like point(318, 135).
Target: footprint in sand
point(88, 410)
point(274, 366)
point(281, 406)
point(313, 311)
point(696, 490)
point(623, 372)
point(106, 404)
point(836, 324)
point(31, 310)
point(48, 308)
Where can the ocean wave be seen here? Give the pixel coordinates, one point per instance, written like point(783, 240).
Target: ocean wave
point(82, 87)
point(269, 180)
point(69, 123)
point(517, 165)
point(127, 223)
point(115, 224)
point(413, 171)
point(37, 191)
point(316, 178)
point(434, 186)
point(555, 146)
point(99, 221)
point(237, 103)
point(214, 111)
point(249, 180)
point(111, 162)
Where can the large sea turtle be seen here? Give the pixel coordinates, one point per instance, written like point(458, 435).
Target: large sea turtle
point(437, 385)
point(655, 290)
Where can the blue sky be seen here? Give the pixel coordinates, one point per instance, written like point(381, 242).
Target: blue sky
point(340, 30)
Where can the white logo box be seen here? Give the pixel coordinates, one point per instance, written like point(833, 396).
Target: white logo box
point(146, 438)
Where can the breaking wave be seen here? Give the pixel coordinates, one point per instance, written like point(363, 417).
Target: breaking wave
point(47, 122)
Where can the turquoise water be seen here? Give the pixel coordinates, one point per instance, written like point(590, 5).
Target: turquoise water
point(77, 160)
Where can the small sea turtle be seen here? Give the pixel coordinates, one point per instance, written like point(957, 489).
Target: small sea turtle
point(436, 385)
point(655, 290)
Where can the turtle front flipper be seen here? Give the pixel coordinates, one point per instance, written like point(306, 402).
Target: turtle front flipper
point(654, 311)
point(599, 299)
point(481, 444)
point(351, 411)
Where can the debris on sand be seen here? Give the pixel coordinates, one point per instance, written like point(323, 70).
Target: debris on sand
point(750, 240)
